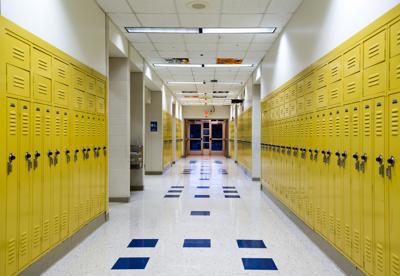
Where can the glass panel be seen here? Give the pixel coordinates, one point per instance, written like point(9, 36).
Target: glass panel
point(206, 132)
point(216, 145)
point(206, 145)
point(206, 139)
point(217, 131)
point(195, 131)
point(195, 145)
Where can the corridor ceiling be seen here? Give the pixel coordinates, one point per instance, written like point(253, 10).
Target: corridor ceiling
point(202, 48)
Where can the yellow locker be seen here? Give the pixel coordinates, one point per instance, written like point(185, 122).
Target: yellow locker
point(356, 135)
point(79, 79)
point(321, 77)
point(61, 94)
point(47, 180)
point(78, 99)
point(324, 124)
point(309, 84)
point(375, 79)
point(330, 168)
point(352, 87)
point(394, 77)
point(335, 93)
point(41, 88)
point(309, 102)
point(300, 89)
point(11, 265)
point(100, 88)
point(41, 63)
point(17, 51)
point(352, 61)
point(56, 176)
point(300, 105)
point(18, 81)
point(65, 164)
point(379, 190)
point(83, 187)
point(392, 173)
point(93, 173)
point(335, 70)
point(91, 85)
point(374, 49)
point(395, 39)
point(25, 165)
point(322, 97)
point(90, 103)
point(367, 176)
point(61, 71)
point(74, 203)
point(3, 166)
point(37, 176)
point(100, 108)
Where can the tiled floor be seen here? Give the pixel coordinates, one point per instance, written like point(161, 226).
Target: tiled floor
point(225, 232)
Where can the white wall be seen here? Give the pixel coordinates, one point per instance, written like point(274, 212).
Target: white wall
point(197, 112)
point(74, 26)
point(317, 27)
point(154, 142)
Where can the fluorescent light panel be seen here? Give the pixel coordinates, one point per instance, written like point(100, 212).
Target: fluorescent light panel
point(228, 65)
point(184, 82)
point(201, 65)
point(179, 30)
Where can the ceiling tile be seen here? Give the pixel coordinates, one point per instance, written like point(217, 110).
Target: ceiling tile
point(158, 20)
point(201, 47)
point(240, 20)
point(152, 6)
point(114, 5)
point(208, 54)
point(201, 38)
point(170, 46)
point(153, 53)
point(235, 38)
point(201, 60)
point(137, 38)
point(275, 20)
point(199, 20)
point(213, 6)
point(280, 6)
point(245, 6)
point(124, 19)
point(255, 54)
point(231, 54)
point(265, 38)
point(259, 47)
point(173, 54)
point(232, 47)
point(166, 38)
point(144, 47)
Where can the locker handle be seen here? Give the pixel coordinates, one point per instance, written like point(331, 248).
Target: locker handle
point(337, 154)
point(49, 153)
point(104, 148)
point(57, 152)
point(37, 154)
point(11, 158)
point(323, 152)
point(364, 157)
point(344, 154)
point(84, 150)
point(67, 151)
point(379, 159)
point(310, 150)
point(27, 156)
point(328, 152)
point(316, 150)
point(355, 156)
point(391, 160)
point(88, 149)
point(76, 151)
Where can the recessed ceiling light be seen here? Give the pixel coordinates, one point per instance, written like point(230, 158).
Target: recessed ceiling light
point(162, 30)
point(197, 5)
point(177, 65)
point(267, 30)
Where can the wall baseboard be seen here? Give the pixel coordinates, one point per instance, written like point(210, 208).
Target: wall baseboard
point(120, 199)
point(330, 251)
point(55, 254)
point(153, 173)
point(137, 188)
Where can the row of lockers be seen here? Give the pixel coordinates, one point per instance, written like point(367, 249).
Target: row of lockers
point(244, 138)
point(334, 164)
point(167, 139)
point(179, 138)
point(54, 152)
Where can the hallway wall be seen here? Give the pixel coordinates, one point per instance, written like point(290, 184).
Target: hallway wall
point(77, 27)
point(197, 112)
point(315, 29)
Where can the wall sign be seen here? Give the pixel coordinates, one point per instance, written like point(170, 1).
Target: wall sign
point(153, 126)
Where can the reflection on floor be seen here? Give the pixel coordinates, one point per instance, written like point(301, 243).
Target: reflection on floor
point(203, 217)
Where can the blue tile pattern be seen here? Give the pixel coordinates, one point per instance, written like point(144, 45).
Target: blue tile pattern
point(131, 263)
point(203, 187)
point(251, 244)
point(200, 213)
point(143, 243)
point(198, 243)
point(201, 196)
point(259, 264)
point(228, 187)
point(171, 196)
point(177, 187)
point(231, 192)
point(232, 196)
point(174, 191)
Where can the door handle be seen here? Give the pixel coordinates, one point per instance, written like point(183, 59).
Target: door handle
point(11, 158)
point(379, 159)
point(37, 154)
point(50, 153)
point(28, 156)
point(355, 156)
point(391, 161)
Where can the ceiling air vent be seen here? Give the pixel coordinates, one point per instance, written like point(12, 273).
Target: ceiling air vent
point(189, 92)
point(220, 92)
point(219, 97)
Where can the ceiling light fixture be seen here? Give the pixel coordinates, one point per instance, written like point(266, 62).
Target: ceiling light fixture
point(185, 82)
point(230, 83)
point(187, 65)
point(228, 65)
point(267, 30)
point(180, 30)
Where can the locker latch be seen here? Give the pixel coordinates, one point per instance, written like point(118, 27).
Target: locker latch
point(11, 158)
point(391, 162)
point(357, 163)
point(28, 156)
point(362, 164)
point(379, 159)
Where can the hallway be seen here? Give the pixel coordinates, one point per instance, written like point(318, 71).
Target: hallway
point(150, 215)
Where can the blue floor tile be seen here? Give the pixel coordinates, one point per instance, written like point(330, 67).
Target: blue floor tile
point(203, 187)
point(201, 196)
point(200, 213)
point(169, 196)
point(177, 187)
point(228, 187)
point(232, 196)
point(204, 178)
point(131, 263)
point(251, 244)
point(174, 191)
point(143, 243)
point(203, 243)
point(231, 192)
point(218, 162)
point(259, 264)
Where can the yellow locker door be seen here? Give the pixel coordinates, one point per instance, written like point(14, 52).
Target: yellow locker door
point(56, 176)
point(348, 168)
point(11, 265)
point(367, 180)
point(98, 162)
point(392, 173)
point(339, 188)
point(84, 196)
point(3, 166)
point(25, 166)
point(356, 136)
point(316, 173)
point(65, 164)
point(93, 163)
point(104, 181)
point(37, 152)
point(325, 174)
point(308, 171)
point(47, 180)
point(75, 171)
point(380, 210)
point(330, 167)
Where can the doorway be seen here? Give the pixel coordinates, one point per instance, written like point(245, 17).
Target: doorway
point(206, 137)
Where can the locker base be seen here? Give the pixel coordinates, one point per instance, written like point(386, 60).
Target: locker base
point(120, 199)
point(341, 261)
point(137, 188)
point(153, 173)
point(55, 254)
